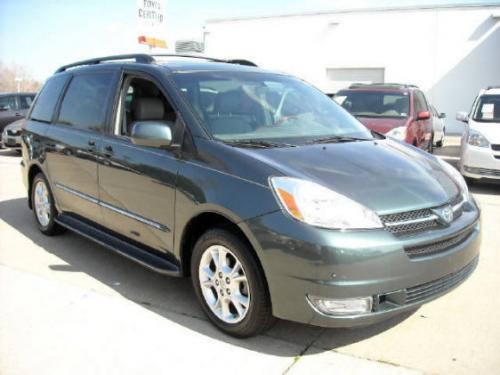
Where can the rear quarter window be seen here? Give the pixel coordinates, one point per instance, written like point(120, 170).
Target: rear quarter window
point(85, 103)
point(45, 104)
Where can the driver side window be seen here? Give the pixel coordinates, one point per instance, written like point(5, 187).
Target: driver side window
point(141, 100)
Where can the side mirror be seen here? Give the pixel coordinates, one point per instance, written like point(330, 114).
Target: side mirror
point(424, 115)
point(151, 134)
point(4, 107)
point(442, 115)
point(463, 116)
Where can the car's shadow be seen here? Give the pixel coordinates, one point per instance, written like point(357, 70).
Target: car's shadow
point(171, 298)
point(9, 152)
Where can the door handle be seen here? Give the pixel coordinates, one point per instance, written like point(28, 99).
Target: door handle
point(91, 144)
point(108, 151)
point(18, 114)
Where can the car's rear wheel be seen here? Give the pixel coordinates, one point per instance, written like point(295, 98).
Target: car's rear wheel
point(43, 206)
point(230, 284)
point(430, 146)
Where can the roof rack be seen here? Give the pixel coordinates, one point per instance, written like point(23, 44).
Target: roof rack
point(144, 58)
point(390, 84)
point(138, 57)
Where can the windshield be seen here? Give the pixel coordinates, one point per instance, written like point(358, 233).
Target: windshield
point(488, 109)
point(375, 103)
point(236, 106)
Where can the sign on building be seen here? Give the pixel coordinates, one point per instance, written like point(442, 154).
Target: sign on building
point(151, 23)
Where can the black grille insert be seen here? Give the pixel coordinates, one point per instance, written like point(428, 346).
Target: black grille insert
point(423, 291)
point(439, 246)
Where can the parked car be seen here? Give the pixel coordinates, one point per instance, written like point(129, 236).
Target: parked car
point(439, 126)
point(398, 110)
point(13, 106)
point(480, 151)
point(11, 136)
point(275, 200)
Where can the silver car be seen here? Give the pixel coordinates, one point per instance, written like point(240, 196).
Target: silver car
point(14, 106)
point(11, 135)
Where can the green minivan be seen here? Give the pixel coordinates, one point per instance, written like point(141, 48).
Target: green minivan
point(271, 197)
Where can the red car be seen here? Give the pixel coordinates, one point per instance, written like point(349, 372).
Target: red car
point(397, 110)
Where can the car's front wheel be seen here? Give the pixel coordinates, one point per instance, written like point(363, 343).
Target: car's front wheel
point(230, 284)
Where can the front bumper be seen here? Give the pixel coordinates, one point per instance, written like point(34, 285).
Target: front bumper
point(300, 260)
point(9, 141)
point(480, 162)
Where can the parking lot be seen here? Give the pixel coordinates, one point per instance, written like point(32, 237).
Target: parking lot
point(70, 306)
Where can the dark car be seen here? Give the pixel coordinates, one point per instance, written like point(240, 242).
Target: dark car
point(270, 196)
point(13, 106)
point(397, 110)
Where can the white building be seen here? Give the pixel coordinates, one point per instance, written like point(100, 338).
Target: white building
point(450, 52)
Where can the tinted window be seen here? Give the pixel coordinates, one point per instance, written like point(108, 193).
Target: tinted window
point(26, 101)
point(374, 103)
point(47, 99)
point(85, 102)
point(8, 102)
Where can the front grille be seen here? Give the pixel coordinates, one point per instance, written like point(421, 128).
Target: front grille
point(438, 246)
point(13, 132)
point(409, 221)
point(495, 147)
point(483, 171)
point(423, 291)
point(412, 222)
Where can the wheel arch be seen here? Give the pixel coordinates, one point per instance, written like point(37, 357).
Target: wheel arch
point(32, 172)
point(203, 222)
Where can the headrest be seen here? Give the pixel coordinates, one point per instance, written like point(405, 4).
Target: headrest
point(233, 102)
point(148, 109)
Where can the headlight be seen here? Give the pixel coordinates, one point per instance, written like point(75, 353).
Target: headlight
point(457, 177)
point(321, 207)
point(398, 133)
point(477, 139)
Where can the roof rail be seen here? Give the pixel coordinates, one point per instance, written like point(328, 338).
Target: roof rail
point(138, 57)
point(492, 87)
point(390, 84)
point(149, 59)
point(228, 61)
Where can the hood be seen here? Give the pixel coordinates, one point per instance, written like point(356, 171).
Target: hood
point(384, 175)
point(382, 125)
point(491, 130)
point(16, 125)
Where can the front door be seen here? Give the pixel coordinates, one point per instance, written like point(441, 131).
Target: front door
point(138, 183)
point(73, 141)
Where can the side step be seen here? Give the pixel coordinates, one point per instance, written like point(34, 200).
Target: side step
point(122, 247)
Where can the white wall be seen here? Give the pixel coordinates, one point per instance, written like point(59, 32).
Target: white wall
point(449, 52)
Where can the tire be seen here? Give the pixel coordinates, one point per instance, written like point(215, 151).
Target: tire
point(44, 205)
point(430, 146)
point(240, 321)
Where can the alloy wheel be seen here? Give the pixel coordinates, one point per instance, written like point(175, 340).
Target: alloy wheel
point(42, 203)
point(224, 284)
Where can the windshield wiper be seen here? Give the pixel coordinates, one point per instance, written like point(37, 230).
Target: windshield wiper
point(257, 143)
point(338, 138)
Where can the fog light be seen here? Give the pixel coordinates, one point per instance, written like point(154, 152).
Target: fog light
point(345, 306)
